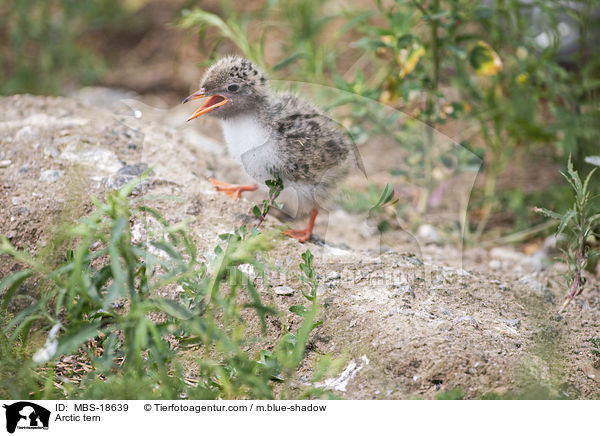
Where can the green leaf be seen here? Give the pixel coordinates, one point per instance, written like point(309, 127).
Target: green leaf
point(284, 63)
point(119, 275)
point(11, 284)
point(299, 310)
point(173, 308)
point(566, 219)
point(225, 236)
point(547, 213)
point(385, 197)
point(72, 341)
point(140, 335)
point(587, 180)
point(369, 44)
point(167, 248)
point(106, 362)
point(485, 60)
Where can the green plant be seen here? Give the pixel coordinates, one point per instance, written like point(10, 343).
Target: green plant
point(595, 346)
point(480, 64)
point(233, 28)
point(275, 187)
point(455, 393)
point(579, 223)
point(43, 49)
point(105, 304)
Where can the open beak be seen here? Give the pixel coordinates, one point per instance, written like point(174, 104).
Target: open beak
point(213, 102)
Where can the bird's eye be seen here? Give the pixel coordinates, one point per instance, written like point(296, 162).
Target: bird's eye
point(233, 87)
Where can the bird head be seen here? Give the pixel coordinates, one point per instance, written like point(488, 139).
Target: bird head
point(233, 85)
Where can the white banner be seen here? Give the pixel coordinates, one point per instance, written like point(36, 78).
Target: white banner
point(299, 417)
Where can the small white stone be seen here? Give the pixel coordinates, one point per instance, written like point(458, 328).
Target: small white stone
point(495, 264)
point(333, 275)
point(283, 290)
point(428, 234)
point(51, 176)
point(5, 163)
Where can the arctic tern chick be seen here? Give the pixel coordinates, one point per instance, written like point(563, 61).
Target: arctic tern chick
point(274, 134)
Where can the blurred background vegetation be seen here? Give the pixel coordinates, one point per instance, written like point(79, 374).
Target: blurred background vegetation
point(513, 81)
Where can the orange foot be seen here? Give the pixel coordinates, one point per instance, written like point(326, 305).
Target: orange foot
point(305, 234)
point(232, 191)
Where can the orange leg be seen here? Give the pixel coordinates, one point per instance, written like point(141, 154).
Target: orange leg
point(304, 234)
point(232, 191)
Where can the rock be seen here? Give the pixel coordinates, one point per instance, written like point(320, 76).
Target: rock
point(51, 176)
point(125, 174)
point(283, 290)
point(97, 157)
point(401, 308)
point(5, 163)
point(333, 275)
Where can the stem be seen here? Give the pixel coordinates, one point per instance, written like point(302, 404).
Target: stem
point(267, 208)
point(428, 158)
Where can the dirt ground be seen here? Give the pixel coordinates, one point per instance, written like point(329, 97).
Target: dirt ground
point(412, 314)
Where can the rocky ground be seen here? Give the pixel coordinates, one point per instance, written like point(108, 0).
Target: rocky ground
point(414, 317)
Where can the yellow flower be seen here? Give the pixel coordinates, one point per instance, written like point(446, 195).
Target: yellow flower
point(409, 58)
point(522, 78)
point(485, 60)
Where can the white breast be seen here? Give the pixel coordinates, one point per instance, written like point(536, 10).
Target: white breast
point(243, 133)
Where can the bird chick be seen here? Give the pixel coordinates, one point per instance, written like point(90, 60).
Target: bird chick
point(274, 134)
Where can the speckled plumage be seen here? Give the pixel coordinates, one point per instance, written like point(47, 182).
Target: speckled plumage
point(278, 133)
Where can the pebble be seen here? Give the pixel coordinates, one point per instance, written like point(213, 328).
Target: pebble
point(428, 234)
point(495, 264)
point(5, 163)
point(283, 290)
point(403, 290)
point(512, 322)
point(468, 319)
point(51, 176)
point(413, 260)
point(51, 152)
point(98, 157)
point(333, 275)
point(125, 174)
point(25, 169)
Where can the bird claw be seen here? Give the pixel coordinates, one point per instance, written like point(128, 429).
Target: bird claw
point(300, 235)
point(232, 191)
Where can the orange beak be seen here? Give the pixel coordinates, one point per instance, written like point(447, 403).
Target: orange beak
point(213, 102)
